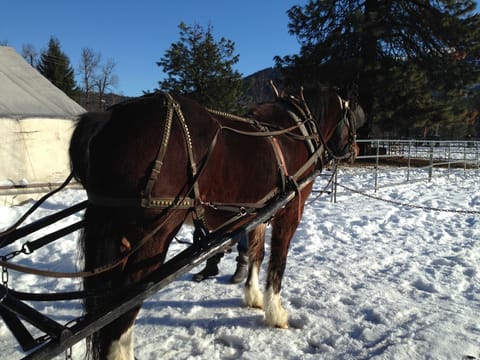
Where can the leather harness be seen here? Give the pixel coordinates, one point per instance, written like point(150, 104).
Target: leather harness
point(303, 121)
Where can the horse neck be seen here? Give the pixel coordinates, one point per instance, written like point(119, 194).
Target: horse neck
point(272, 114)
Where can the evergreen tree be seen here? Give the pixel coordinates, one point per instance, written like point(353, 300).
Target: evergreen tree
point(411, 60)
point(55, 66)
point(202, 68)
point(474, 125)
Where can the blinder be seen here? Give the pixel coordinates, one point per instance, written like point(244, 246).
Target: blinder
point(346, 120)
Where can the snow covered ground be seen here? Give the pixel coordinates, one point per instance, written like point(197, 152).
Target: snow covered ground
point(365, 279)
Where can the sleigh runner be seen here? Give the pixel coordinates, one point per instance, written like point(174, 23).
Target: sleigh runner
point(112, 291)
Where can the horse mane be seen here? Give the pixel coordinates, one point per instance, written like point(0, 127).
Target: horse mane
point(315, 97)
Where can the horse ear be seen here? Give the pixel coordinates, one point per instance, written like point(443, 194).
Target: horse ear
point(351, 94)
point(313, 98)
point(276, 94)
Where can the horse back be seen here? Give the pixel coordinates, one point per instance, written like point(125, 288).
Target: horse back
point(120, 154)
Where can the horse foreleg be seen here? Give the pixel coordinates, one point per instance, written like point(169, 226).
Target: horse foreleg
point(284, 226)
point(253, 294)
point(275, 314)
point(115, 341)
point(122, 349)
point(256, 253)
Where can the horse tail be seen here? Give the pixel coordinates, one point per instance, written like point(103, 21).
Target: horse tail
point(99, 245)
point(102, 232)
point(88, 126)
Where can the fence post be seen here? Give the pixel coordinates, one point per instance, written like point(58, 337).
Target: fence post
point(449, 158)
point(333, 185)
point(430, 169)
point(376, 165)
point(476, 154)
point(409, 157)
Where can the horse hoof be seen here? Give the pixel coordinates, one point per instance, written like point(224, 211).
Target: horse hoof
point(276, 321)
point(256, 306)
point(253, 298)
point(275, 314)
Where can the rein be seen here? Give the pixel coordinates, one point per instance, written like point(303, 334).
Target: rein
point(264, 132)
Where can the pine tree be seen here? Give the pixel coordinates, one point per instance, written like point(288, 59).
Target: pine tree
point(55, 66)
point(202, 68)
point(411, 60)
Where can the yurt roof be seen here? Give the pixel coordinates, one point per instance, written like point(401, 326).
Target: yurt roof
point(25, 93)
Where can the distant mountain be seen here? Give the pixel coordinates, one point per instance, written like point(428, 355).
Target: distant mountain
point(257, 90)
point(257, 84)
point(95, 104)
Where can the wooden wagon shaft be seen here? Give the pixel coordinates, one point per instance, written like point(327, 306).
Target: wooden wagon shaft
point(16, 234)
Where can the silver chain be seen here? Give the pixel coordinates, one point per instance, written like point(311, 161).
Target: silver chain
point(458, 211)
point(5, 277)
point(24, 250)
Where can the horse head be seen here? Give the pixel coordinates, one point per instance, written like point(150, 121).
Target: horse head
point(337, 120)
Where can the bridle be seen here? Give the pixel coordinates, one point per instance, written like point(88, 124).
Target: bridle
point(347, 119)
point(312, 125)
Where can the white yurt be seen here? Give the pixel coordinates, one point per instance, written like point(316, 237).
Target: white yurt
point(36, 122)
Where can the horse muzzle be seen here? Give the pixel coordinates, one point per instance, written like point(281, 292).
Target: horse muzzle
point(354, 152)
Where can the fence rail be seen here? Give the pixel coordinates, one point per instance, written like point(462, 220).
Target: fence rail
point(422, 159)
point(18, 194)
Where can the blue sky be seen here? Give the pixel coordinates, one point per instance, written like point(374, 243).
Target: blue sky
point(136, 34)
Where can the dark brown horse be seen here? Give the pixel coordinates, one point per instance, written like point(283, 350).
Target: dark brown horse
point(152, 163)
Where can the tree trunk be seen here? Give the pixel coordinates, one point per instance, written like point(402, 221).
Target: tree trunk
point(369, 57)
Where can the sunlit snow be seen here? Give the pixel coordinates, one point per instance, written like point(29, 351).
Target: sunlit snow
point(365, 279)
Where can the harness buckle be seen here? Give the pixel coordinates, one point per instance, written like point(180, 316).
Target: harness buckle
point(291, 184)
